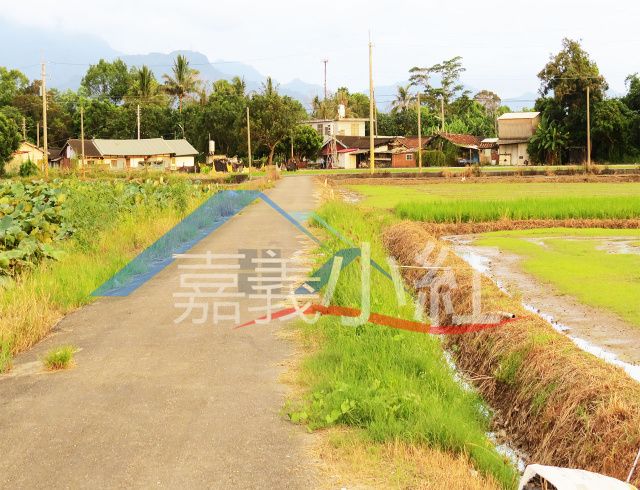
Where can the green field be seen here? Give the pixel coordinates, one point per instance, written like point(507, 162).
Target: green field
point(577, 267)
point(389, 196)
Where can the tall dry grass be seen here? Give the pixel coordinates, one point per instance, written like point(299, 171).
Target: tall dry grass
point(565, 407)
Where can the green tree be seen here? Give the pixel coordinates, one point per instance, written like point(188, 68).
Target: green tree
point(489, 100)
point(184, 81)
point(273, 117)
point(107, 81)
point(12, 82)
point(547, 144)
point(306, 143)
point(9, 140)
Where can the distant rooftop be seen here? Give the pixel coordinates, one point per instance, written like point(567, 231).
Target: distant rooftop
point(519, 115)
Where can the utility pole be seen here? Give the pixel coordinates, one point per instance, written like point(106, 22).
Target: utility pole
point(249, 143)
point(442, 111)
point(325, 61)
point(38, 135)
point(419, 134)
point(24, 129)
point(84, 164)
point(588, 132)
point(372, 157)
point(45, 157)
point(138, 113)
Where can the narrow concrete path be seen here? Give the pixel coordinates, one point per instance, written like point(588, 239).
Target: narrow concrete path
point(152, 403)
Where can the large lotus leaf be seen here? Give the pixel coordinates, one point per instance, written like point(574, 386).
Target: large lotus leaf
point(6, 223)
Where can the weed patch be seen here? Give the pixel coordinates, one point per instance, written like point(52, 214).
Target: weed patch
point(59, 357)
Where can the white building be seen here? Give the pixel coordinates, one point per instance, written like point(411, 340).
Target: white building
point(515, 129)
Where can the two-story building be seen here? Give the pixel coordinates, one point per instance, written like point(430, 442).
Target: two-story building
point(515, 129)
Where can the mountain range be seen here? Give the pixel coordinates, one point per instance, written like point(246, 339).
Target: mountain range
point(69, 55)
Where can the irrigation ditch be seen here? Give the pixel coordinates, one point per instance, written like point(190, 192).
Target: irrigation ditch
point(552, 400)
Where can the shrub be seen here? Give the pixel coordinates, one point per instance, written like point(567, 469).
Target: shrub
point(432, 158)
point(28, 168)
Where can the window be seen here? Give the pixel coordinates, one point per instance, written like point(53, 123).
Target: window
point(319, 129)
point(354, 130)
point(409, 156)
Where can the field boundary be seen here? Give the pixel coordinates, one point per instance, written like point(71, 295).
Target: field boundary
point(564, 407)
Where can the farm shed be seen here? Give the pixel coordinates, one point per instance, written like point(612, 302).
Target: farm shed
point(515, 129)
point(72, 150)
point(169, 154)
point(489, 151)
point(354, 151)
point(404, 155)
point(457, 147)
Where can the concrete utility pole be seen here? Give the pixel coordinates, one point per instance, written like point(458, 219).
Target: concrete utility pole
point(419, 134)
point(45, 157)
point(38, 135)
point(325, 61)
point(372, 157)
point(84, 164)
point(249, 144)
point(138, 113)
point(24, 129)
point(588, 132)
point(442, 111)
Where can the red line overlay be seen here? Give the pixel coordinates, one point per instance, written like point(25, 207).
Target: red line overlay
point(389, 321)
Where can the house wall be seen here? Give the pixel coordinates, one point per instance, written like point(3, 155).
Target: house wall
point(399, 160)
point(184, 161)
point(342, 127)
point(517, 128)
point(515, 154)
point(23, 153)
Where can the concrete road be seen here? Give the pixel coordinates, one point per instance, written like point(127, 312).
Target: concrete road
point(152, 403)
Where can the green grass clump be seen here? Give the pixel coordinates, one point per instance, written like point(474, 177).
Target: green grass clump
point(390, 383)
point(59, 357)
point(468, 211)
point(577, 267)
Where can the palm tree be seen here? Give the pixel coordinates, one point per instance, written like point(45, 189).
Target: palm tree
point(239, 86)
point(145, 82)
point(403, 99)
point(268, 88)
point(184, 80)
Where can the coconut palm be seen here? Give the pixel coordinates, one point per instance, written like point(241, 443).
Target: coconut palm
point(145, 82)
point(403, 99)
point(184, 80)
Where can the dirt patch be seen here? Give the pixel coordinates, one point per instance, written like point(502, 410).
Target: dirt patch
point(598, 327)
point(453, 177)
point(449, 229)
point(559, 404)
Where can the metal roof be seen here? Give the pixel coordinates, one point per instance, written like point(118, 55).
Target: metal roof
point(181, 148)
point(148, 147)
point(519, 115)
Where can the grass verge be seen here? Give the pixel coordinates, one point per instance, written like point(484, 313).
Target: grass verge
point(391, 385)
point(564, 406)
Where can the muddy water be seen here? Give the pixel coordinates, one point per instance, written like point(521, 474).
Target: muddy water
point(598, 332)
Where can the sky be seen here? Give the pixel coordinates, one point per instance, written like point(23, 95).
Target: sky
point(503, 43)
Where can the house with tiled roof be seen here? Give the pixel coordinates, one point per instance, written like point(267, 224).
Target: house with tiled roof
point(458, 148)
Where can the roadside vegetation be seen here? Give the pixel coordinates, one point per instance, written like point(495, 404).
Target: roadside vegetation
point(564, 406)
point(391, 385)
point(99, 228)
point(59, 357)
